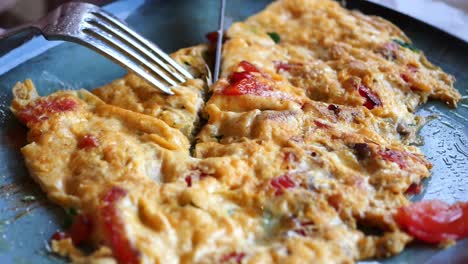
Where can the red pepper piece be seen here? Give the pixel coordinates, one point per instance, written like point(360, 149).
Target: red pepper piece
point(188, 180)
point(248, 86)
point(239, 76)
point(114, 229)
point(401, 158)
point(395, 156)
point(246, 83)
point(81, 229)
point(336, 109)
point(60, 235)
point(320, 124)
point(41, 109)
point(300, 232)
point(233, 257)
point(213, 37)
point(281, 183)
point(414, 189)
point(301, 227)
point(79, 232)
point(286, 66)
point(405, 77)
point(434, 221)
point(372, 99)
point(195, 175)
point(248, 67)
point(87, 142)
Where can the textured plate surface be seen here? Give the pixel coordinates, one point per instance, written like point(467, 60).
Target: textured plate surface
point(25, 226)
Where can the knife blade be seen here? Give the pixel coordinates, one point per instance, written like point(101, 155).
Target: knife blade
point(219, 43)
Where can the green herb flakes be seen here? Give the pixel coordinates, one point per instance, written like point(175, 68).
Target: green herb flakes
point(405, 45)
point(274, 36)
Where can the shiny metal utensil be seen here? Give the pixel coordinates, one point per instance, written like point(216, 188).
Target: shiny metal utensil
point(219, 43)
point(88, 25)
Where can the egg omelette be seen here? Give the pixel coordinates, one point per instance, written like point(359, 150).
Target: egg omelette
point(300, 153)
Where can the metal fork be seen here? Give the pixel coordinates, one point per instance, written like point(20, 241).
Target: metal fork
point(88, 25)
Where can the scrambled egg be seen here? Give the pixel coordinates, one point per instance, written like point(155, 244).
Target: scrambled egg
point(180, 111)
point(304, 156)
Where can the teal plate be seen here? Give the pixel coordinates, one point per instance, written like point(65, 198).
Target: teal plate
point(27, 219)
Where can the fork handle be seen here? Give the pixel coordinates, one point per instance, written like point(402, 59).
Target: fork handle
point(19, 29)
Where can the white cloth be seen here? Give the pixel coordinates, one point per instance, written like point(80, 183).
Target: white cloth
point(448, 15)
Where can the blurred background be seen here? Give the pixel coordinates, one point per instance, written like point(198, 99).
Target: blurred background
point(449, 15)
point(16, 12)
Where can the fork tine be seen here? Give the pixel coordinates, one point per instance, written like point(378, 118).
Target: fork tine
point(136, 46)
point(118, 45)
point(110, 52)
point(144, 42)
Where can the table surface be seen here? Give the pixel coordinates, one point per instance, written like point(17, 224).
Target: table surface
point(448, 15)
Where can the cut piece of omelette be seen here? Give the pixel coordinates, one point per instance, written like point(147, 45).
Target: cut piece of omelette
point(181, 110)
point(324, 52)
point(304, 157)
